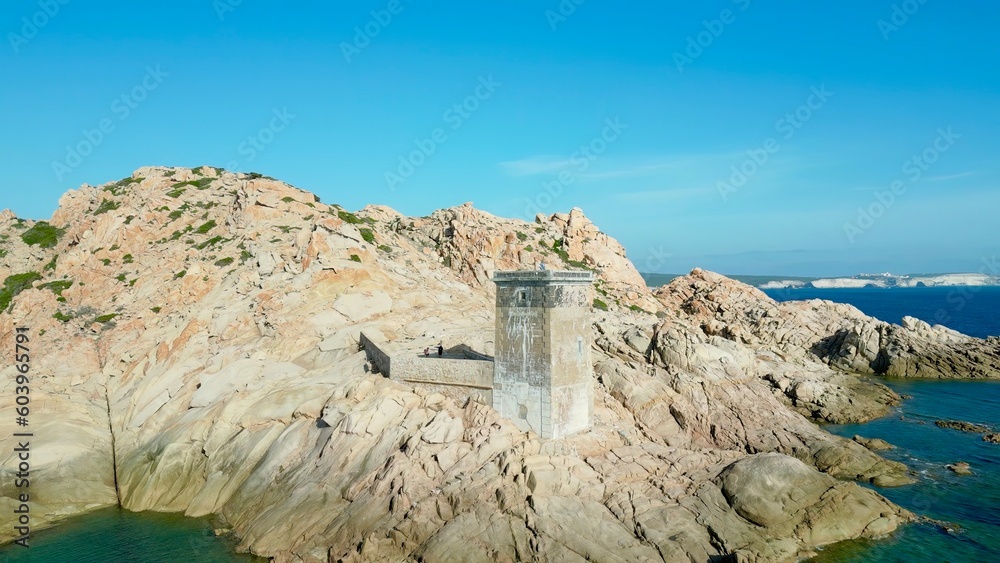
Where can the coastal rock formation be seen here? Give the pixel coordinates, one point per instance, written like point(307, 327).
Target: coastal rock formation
point(960, 468)
point(962, 425)
point(197, 332)
point(873, 444)
point(839, 335)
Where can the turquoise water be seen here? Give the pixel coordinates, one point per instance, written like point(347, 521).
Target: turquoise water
point(969, 505)
point(112, 536)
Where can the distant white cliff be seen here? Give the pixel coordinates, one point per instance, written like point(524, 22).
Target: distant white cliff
point(886, 280)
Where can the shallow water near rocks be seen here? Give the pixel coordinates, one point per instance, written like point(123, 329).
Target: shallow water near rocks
point(112, 535)
point(969, 505)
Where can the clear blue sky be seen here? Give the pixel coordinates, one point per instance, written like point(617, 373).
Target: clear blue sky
point(692, 86)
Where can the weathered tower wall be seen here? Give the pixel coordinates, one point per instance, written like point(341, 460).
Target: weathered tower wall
point(542, 377)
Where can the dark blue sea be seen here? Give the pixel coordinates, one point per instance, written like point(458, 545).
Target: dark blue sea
point(969, 505)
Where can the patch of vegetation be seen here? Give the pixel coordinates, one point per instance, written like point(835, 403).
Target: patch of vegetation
point(176, 214)
point(106, 205)
point(349, 218)
point(210, 242)
point(368, 235)
point(180, 274)
point(51, 266)
point(170, 173)
point(120, 277)
point(384, 248)
point(284, 229)
point(356, 258)
point(105, 318)
point(197, 171)
point(521, 236)
point(3, 252)
point(176, 192)
point(178, 234)
point(128, 259)
point(205, 227)
point(14, 285)
point(244, 256)
point(156, 309)
point(539, 230)
point(598, 304)
point(118, 187)
point(106, 261)
point(288, 199)
point(58, 286)
point(638, 309)
point(529, 248)
point(60, 316)
point(224, 262)
point(43, 234)
point(129, 219)
point(131, 283)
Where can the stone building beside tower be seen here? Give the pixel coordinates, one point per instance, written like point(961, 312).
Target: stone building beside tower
point(541, 376)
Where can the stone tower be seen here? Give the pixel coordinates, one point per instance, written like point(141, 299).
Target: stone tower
point(543, 375)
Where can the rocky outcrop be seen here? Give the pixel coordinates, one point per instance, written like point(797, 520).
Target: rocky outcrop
point(197, 332)
point(474, 243)
point(873, 444)
point(837, 334)
point(959, 468)
point(962, 425)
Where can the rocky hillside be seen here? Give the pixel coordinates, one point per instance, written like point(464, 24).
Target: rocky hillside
point(194, 349)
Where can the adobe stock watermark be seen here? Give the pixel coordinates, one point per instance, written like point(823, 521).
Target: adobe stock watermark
point(259, 141)
point(121, 107)
point(32, 25)
point(786, 127)
point(900, 16)
point(579, 162)
point(656, 258)
point(913, 169)
point(713, 29)
point(563, 11)
point(364, 35)
point(455, 116)
point(224, 7)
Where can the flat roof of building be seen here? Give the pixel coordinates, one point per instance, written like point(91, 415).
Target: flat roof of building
point(561, 276)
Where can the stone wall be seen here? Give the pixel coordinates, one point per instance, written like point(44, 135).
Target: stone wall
point(379, 358)
point(454, 377)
